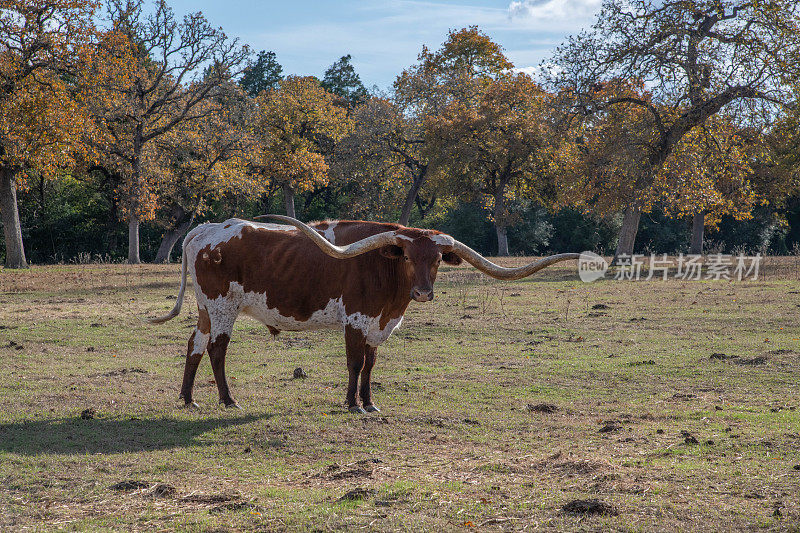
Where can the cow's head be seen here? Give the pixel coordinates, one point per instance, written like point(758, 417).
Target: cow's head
point(421, 252)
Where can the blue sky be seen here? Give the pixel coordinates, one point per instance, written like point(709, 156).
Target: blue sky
point(385, 36)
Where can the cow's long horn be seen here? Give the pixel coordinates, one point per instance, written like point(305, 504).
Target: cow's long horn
point(496, 271)
point(340, 252)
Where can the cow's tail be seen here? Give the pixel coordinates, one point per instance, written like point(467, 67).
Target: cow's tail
point(177, 309)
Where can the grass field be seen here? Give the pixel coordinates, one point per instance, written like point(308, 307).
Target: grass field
point(502, 402)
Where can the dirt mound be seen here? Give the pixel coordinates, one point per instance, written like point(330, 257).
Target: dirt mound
point(542, 408)
point(236, 506)
point(356, 494)
point(722, 357)
point(589, 507)
point(129, 485)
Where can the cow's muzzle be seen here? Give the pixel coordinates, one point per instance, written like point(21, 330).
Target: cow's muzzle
point(422, 295)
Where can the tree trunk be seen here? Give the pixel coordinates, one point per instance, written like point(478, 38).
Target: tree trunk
point(136, 190)
point(182, 222)
point(15, 251)
point(408, 205)
point(500, 221)
point(698, 225)
point(288, 197)
point(627, 234)
point(133, 241)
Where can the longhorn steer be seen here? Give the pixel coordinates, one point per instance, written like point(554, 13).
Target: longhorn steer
point(358, 276)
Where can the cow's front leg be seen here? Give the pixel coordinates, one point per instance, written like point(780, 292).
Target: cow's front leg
point(366, 387)
point(355, 344)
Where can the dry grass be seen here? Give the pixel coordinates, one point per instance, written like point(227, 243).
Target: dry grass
point(462, 441)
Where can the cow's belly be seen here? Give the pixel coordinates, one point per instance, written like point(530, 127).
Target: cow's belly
point(255, 305)
point(333, 316)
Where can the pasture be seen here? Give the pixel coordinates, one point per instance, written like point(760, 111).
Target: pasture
point(675, 403)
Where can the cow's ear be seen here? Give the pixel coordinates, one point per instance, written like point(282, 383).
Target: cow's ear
point(451, 258)
point(392, 251)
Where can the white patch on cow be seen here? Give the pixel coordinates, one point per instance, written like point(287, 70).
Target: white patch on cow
point(378, 336)
point(255, 305)
point(223, 310)
point(214, 234)
point(328, 233)
point(200, 342)
point(442, 240)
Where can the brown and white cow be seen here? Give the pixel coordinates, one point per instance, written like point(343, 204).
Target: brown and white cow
point(351, 275)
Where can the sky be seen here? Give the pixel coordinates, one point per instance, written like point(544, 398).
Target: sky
point(385, 36)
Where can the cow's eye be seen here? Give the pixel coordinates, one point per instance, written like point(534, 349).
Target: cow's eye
point(406, 258)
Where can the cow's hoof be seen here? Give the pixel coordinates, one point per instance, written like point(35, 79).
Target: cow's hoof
point(357, 410)
point(372, 409)
point(233, 405)
point(191, 406)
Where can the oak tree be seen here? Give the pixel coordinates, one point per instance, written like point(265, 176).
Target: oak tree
point(41, 43)
point(498, 148)
point(695, 57)
point(153, 73)
point(458, 72)
point(295, 126)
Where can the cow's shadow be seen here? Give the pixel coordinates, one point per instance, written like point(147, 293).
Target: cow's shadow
point(76, 436)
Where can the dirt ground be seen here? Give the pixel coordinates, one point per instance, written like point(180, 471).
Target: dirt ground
point(541, 404)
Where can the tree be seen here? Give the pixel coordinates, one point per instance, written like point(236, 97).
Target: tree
point(40, 45)
point(202, 161)
point(382, 154)
point(295, 126)
point(497, 147)
point(696, 58)
point(342, 80)
point(262, 74)
point(149, 76)
point(602, 169)
point(458, 72)
point(709, 175)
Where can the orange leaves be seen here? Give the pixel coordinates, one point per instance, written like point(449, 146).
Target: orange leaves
point(605, 161)
point(41, 126)
point(459, 71)
point(40, 118)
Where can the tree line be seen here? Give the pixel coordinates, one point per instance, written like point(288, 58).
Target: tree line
point(121, 126)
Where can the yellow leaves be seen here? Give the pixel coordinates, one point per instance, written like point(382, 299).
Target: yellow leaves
point(292, 125)
point(708, 170)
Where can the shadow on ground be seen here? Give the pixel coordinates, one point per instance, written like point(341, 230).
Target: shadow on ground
point(78, 436)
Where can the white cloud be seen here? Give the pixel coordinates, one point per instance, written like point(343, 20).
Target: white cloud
point(569, 15)
point(531, 71)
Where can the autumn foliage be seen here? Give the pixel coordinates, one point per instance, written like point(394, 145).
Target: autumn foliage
point(167, 121)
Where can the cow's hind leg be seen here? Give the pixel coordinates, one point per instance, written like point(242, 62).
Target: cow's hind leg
point(221, 330)
point(194, 353)
point(366, 389)
point(355, 344)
